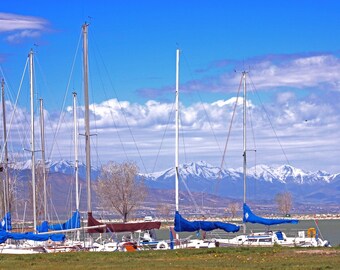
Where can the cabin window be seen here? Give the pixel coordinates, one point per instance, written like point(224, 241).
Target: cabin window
point(265, 240)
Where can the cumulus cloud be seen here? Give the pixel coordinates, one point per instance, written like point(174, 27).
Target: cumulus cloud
point(19, 27)
point(267, 73)
point(305, 126)
point(306, 129)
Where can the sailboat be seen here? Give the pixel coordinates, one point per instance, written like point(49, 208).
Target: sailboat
point(74, 221)
point(95, 225)
point(181, 224)
point(267, 238)
point(29, 242)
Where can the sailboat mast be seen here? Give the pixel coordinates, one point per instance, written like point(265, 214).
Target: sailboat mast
point(87, 117)
point(76, 153)
point(177, 129)
point(6, 190)
point(42, 141)
point(32, 141)
point(244, 141)
point(76, 148)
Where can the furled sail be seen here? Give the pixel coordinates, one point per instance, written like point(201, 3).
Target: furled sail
point(183, 225)
point(249, 216)
point(6, 223)
point(121, 227)
point(30, 236)
point(71, 223)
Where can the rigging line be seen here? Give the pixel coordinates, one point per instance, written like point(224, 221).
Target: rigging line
point(106, 96)
point(15, 107)
point(189, 192)
point(166, 127)
point(9, 93)
point(253, 134)
point(202, 103)
point(270, 122)
point(111, 113)
point(62, 115)
point(183, 140)
point(230, 126)
point(95, 144)
point(125, 118)
point(42, 73)
point(51, 126)
point(94, 107)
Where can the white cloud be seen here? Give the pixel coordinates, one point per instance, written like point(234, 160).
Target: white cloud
point(19, 27)
point(285, 97)
point(307, 129)
point(307, 126)
point(302, 72)
point(298, 72)
point(12, 22)
point(17, 37)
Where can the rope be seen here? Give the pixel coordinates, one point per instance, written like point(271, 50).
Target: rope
point(166, 127)
point(270, 122)
point(230, 126)
point(202, 104)
point(121, 109)
point(15, 106)
point(62, 115)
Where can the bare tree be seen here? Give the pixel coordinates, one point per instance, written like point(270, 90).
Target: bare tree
point(284, 202)
point(232, 208)
point(119, 189)
point(164, 210)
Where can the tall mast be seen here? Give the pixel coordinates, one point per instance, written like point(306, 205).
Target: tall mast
point(177, 127)
point(42, 141)
point(6, 190)
point(32, 142)
point(87, 117)
point(76, 147)
point(244, 141)
point(76, 153)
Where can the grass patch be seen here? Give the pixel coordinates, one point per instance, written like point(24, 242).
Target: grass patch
point(217, 258)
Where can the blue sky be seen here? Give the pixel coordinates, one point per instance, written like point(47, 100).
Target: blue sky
point(291, 49)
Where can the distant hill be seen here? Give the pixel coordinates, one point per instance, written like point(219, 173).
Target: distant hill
point(263, 182)
point(201, 185)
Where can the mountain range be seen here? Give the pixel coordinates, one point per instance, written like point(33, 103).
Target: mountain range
point(263, 182)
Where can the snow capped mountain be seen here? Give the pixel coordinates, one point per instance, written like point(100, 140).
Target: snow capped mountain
point(61, 166)
point(283, 174)
point(287, 174)
point(263, 180)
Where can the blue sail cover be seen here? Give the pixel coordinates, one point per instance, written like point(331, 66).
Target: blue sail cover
point(183, 225)
point(30, 236)
point(72, 223)
point(249, 216)
point(6, 223)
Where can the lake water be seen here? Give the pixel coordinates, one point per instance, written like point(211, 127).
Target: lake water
point(328, 230)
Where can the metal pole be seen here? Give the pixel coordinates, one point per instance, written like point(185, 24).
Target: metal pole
point(244, 142)
point(76, 162)
point(76, 153)
point(42, 140)
point(87, 117)
point(32, 142)
point(5, 164)
point(177, 128)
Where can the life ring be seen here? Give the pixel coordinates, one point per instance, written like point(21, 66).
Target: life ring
point(50, 242)
point(311, 232)
point(162, 245)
